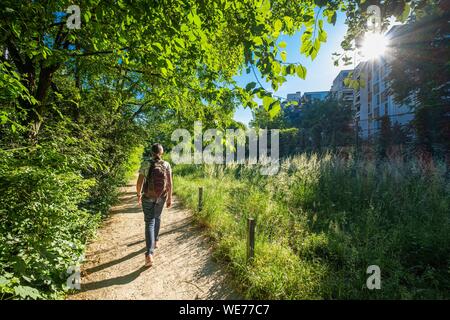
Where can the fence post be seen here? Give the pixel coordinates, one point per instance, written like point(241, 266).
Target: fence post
point(200, 199)
point(251, 239)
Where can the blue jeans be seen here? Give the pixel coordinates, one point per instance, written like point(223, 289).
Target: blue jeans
point(152, 217)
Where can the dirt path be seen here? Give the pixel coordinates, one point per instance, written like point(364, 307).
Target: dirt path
point(183, 267)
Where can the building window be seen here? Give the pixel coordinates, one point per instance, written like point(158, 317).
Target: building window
point(376, 112)
point(384, 96)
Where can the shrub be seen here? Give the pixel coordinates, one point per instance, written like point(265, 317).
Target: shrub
point(43, 231)
point(50, 206)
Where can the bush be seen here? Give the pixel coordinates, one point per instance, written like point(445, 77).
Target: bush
point(50, 206)
point(43, 231)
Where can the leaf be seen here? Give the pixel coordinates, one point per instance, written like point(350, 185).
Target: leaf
point(25, 292)
point(276, 67)
point(250, 86)
point(87, 16)
point(197, 21)
point(282, 44)
point(267, 101)
point(283, 55)
point(274, 85)
point(3, 281)
point(322, 35)
point(157, 45)
point(288, 22)
point(180, 42)
point(169, 64)
point(301, 71)
point(275, 109)
point(333, 18)
point(258, 41)
point(121, 4)
point(306, 47)
point(346, 82)
point(3, 118)
point(320, 24)
point(290, 69)
point(265, 7)
point(315, 49)
point(277, 25)
point(405, 14)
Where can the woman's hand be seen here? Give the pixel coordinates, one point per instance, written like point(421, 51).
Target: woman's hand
point(169, 202)
point(139, 196)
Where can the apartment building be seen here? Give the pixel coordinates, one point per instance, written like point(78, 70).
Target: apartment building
point(374, 100)
point(294, 96)
point(315, 95)
point(339, 90)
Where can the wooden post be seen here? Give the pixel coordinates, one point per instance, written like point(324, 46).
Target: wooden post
point(251, 239)
point(200, 199)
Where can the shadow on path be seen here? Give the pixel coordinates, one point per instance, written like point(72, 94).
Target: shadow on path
point(114, 262)
point(113, 281)
point(183, 268)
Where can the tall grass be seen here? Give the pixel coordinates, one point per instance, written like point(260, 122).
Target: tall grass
point(322, 221)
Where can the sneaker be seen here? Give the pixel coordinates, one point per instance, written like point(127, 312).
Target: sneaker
point(149, 260)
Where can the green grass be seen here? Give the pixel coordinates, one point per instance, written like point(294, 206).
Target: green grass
point(322, 221)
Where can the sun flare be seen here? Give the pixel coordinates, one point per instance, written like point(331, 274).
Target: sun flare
point(374, 45)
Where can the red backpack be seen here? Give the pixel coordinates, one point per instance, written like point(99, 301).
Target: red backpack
point(156, 180)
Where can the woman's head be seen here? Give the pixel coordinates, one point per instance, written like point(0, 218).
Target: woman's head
point(157, 150)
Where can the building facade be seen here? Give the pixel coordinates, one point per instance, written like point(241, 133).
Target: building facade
point(315, 95)
point(339, 90)
point(374, 99)
point(294, 96)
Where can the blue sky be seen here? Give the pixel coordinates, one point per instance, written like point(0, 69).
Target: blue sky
point(321, 71)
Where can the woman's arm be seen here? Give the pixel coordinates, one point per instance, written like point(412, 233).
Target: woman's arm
point(169, 187)
point(139, 183)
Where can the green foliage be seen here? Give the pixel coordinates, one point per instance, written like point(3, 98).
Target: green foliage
point(52, 197)
point(43, 229)
point(313, 126)
point(289, 142)
point(425, 83)
point(326, 124)
point(53, 192)
point(322, 221)
point(77, 104)
point(189, 58)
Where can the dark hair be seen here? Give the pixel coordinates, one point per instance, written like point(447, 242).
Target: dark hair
point(157, 149)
